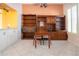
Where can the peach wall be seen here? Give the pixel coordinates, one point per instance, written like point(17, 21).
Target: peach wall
point(52, 9)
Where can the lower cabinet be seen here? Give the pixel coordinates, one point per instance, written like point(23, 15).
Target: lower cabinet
point(59, 35)
point(7, 38)
point(28, 35)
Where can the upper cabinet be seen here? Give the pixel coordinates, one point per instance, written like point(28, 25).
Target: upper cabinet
point(12, 19)
point(0, 18)
point(51, 20)
point(51, 9)
point(8, 17)
point(4, 19)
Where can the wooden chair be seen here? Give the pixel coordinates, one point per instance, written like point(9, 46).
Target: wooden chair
point(36, 37)
point(41, 34)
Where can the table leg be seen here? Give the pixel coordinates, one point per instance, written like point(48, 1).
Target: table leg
point(49, 42)
point(43, 40)
point(35, 43)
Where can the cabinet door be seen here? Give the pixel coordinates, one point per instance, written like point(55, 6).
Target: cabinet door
point(48, 20)
point(0, 21)
point(28, 35)
point(54, 36)
point(2, 40)
point(51, 20)
point(9, 19)
point(59, 35)
point(4, 19)
point(12, 19)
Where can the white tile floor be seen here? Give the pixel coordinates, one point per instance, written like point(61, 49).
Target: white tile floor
point(26, 48)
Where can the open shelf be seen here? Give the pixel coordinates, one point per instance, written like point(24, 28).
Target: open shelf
point(28, 26)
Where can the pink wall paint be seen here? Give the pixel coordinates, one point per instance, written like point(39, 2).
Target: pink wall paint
point(52, 9)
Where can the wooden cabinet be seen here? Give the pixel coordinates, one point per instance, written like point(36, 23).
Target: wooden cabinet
point(29, 35)
point(51, 19)
point(41, 23)
point(60, 23)
point(28, 26)
point(53, 24)
point(59, 35)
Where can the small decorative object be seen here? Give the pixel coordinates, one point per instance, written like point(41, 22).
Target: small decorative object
point(43, 5)
point(41, 23)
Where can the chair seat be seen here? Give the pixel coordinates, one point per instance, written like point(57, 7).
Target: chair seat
point(42, 36)
point(39, 37)
point(45, 36)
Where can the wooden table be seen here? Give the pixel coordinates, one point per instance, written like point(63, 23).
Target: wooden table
point(43, 33)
